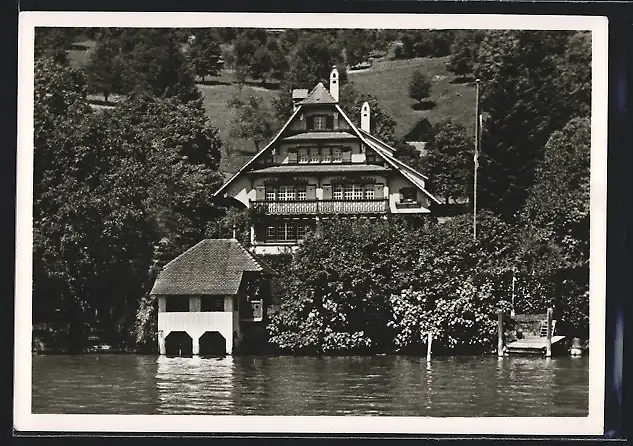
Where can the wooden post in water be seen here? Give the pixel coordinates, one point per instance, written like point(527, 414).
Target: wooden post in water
point(499, 333)
point(548, 344)
point(429, 342)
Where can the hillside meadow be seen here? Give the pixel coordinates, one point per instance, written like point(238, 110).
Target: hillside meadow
point(387, 80)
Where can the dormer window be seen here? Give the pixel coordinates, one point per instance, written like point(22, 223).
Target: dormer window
point(320, 122)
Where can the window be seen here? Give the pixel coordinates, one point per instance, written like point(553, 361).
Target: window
point(177, 303)
point(319, 122)
point(326, 155)
point(338, 192)
point(371, 157)
point(314, 155)
point(303, 155)
point(302, 193)
point(358, 191)
point(212, 303)
point(286, 231)
point(369, 192)
point(270, 194)
point(286, 193)
point(336, 155)
point(271, 234)
point(349, 191)
point(302, 230)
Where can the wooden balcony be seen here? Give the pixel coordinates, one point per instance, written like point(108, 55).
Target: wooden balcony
point(311, 207)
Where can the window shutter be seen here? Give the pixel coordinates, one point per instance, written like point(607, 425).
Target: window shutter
point(260, 193)
point(311, 192)
point(378, 191)
point(327, 191)
point(329, 122)
point(292, 156)
point(347, 155)
point(335, 121)
point(310, 122)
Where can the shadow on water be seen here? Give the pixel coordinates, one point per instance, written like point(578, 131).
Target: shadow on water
point(256, 385)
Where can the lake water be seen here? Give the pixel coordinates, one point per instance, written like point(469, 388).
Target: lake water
point(249, 385)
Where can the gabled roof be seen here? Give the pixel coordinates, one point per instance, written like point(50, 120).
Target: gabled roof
point(213, 266)
point(382, 149)
point(319, 95)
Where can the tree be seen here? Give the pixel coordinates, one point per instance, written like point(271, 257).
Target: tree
point(261, 64)
point(254, 122)
point(54, 43)
point(105, 69)
point(419, 86)
point(449, 160)
point(575, 74)
point(340, 282)
point(453, 285)
point(244, 49)
point(357, 46)
point(463, 53)
point(105, 194)
point(523, 105)
point(312, 61)
point(205, 54)
point(554, 249)
point(158, 65)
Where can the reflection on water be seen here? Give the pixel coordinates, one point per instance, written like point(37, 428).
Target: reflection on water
point(379, 385)
point(194, 385)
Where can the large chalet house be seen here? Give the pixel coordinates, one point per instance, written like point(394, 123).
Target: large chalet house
point(318, 165)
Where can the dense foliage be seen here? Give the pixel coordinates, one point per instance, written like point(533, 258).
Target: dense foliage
point(450, 158)
point(120, 191)
point(376, 286)
point(104, 195)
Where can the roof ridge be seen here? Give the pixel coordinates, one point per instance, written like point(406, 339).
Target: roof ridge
point(319, 95)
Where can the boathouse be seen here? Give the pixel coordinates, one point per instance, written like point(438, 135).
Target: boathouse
point(210, 298)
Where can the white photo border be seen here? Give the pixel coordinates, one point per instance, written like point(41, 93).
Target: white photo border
point(25, 421)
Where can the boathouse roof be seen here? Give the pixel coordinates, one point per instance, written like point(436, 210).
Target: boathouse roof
point(213, 266)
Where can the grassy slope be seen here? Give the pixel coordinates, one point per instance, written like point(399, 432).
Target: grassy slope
point(236, 151)
point(389, 81)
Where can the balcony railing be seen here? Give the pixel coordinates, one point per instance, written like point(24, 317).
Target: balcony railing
point(299, 207)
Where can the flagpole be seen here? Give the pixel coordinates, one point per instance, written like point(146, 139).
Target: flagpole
point(476, 161)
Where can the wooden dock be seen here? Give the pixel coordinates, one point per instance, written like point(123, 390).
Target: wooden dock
point(535, 346)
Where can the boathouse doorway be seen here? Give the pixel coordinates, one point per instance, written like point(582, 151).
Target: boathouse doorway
point(178, 343)
point(212, 343)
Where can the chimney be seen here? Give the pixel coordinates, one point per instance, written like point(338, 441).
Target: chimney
point(334, 83)
point(364, 117)
point(298, 95)
point(234, 232)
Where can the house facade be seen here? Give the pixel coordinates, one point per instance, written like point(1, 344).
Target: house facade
point(320, 164)
point(211, 299)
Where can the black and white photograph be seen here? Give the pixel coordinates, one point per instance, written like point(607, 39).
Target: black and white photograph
point(311, 223)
